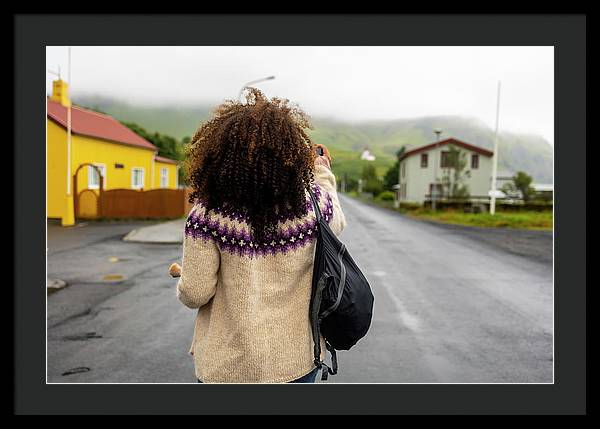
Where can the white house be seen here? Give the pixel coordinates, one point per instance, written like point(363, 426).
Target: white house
point(366, 155)
point(417, 170)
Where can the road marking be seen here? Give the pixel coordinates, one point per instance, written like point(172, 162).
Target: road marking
point(407, 319)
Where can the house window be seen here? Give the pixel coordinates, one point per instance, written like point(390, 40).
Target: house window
point(435, 189)
point(445, 162)
point(448, 161)
point(474, 161)
point(94, 178)
point(403, 169)
point(424, 160)
point(137, 178)
point(164, 177)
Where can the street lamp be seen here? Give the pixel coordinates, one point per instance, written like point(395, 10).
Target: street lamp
point(437, 132)
point(247, 84)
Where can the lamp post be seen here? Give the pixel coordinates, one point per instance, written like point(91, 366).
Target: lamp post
point(437, 132)
point(247, 84)
point(495, 157)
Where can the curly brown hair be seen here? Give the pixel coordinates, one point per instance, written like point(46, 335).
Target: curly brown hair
point(255, 159)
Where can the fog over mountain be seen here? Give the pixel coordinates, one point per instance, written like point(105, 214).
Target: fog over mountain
point(518, 152)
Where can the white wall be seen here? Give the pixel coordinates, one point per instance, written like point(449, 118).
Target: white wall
point(418, 179)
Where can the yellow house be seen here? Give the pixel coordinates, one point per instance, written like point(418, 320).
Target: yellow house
point(166, 172)
point(98, 143)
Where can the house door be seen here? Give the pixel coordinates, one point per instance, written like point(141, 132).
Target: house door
point(87, 205)
point(87, 202)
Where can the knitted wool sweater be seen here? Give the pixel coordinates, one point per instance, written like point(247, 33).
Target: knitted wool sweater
point(253, 298)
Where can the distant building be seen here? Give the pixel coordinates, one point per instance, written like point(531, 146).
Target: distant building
point(417, 172)
point(366, 155)
point(543, 187)
point(544, 190)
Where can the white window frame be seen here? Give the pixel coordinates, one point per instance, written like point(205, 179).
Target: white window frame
point(164, 170)
point(133, 170)
point(92, 173)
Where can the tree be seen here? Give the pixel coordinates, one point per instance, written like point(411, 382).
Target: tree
point(454, 174)
point(521, 183)
point(182, 171)
point(168, 146)
point(371, 182)
point(391, 176)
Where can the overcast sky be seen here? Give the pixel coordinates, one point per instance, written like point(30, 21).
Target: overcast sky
point(350, 83)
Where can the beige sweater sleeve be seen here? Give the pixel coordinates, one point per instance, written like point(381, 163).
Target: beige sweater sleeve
point(199, 271)
point(326, 179)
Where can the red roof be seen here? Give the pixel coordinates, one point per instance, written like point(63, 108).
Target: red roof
point(448, 141)
point(93, 124)
point(165, 160)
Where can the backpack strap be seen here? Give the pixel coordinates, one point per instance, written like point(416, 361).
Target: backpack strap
point(334, 365)
point(315, 204)
point(323, 366)
point(314, 317)
point(314, 321)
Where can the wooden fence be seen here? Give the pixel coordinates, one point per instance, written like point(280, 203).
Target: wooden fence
point(152, 204)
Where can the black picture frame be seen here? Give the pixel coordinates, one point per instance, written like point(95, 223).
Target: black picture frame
point(567, 33)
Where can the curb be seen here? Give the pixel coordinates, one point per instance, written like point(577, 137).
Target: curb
point(170, 232)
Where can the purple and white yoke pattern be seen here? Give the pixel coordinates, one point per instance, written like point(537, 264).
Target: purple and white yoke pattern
point(237, 240)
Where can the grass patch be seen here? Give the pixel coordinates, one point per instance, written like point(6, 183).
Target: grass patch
point(530, 219)
point(518, 220)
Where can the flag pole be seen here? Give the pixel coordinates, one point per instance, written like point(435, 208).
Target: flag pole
point(495, 156)
point(69, 124)
point(69, 217)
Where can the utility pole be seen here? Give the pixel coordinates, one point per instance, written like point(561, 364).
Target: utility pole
point(437, 132)
point(399, 189)
point(69, 218)
point(495, 157)
point(69, 125)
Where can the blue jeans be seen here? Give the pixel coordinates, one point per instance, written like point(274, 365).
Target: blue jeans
point(308, 378)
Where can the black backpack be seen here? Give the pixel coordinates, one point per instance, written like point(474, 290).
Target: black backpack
point(341, 302)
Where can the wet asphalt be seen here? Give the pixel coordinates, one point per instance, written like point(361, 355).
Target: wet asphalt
point(452, 305)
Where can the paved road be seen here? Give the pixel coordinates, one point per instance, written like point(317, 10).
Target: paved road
point(449, 307)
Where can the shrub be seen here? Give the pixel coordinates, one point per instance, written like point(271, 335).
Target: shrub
point(373, 186)
point(386, 196)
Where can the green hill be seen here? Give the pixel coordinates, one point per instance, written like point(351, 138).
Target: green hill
point(346, 140)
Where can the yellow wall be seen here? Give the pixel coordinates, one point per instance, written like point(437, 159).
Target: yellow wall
point(171, 168)
point(56, 170)
point(87, 149)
